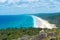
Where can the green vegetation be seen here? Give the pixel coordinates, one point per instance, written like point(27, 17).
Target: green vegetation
point(9, 34)
point(54, 19)
point(58, 38)
point(16, 33)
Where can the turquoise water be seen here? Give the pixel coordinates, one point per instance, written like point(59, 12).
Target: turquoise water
point(15, 21)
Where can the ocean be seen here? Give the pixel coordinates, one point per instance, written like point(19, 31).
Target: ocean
point(16, 21)
point(24, 21)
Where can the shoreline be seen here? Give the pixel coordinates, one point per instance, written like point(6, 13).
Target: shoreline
point(41, 23)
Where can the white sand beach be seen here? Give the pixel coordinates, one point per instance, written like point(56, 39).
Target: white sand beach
point(41, 23)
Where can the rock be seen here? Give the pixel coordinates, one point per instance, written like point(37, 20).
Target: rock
point(42, 34)
point(39, 37)
point(52, 39)
point(24, 37)
point(52, 34)
point(4, 39)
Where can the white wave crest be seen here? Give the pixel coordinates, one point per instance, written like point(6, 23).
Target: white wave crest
point(41, 23)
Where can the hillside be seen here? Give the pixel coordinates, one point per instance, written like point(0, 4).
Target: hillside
point(30, 34)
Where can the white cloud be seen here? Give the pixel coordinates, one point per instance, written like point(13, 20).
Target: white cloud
point(12, 1)
point(22, 6)
point(30, 0)
point(50, 4)
point(2, 1)
point(34, 4)
point(55, 1)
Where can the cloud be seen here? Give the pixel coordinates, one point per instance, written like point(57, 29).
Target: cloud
point(2, 1)
point(33, 5)
point(14, 1)
point(40, 2)
point(30, 0)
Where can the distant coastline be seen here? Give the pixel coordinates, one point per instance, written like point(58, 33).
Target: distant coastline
point(15, 20)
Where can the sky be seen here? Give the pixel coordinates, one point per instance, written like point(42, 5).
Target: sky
point(29, 6)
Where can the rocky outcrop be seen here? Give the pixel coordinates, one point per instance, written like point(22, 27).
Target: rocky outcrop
point(42, 35)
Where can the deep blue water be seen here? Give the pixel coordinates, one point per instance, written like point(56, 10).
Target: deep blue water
point(15, 21)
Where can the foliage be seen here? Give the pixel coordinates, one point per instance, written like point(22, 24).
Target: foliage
point(58, 38)
point(10, 34)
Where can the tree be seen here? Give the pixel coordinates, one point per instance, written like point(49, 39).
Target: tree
point(58, 38)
